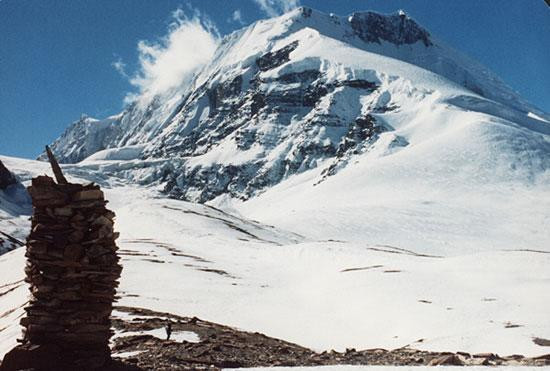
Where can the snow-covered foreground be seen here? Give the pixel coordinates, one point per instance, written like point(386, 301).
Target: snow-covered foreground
point(323, 292)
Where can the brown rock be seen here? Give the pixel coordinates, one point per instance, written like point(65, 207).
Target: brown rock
point(37, 247)
point(73, 253)
point(42, 180)
point(33, 357)
point(103, 220)
point(93, 328)
point(44, 320)
point(89, 204)
point(63, 211)
point(47, 197)
point(68, 295)
point(447, 360)
point(55, 252)
point(75, 236)
point(78, 217)
point(92, 194)
point(485, 355)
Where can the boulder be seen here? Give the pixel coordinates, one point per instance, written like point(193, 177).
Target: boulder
point(447, 360)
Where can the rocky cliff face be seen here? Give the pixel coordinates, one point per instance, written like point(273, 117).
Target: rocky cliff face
point(278, 125)
point(6, 177)
point(302, 91)
point(397, 29)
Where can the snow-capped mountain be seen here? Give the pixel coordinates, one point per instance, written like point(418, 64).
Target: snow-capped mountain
point(303, 91)
point(85, 137)
point(365, 186)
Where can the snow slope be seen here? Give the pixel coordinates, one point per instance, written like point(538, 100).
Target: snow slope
point(299, 280)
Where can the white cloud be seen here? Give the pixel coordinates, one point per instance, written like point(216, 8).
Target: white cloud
point(274, 8)
point(173, 59)
point(120, 67)
point(237, 17)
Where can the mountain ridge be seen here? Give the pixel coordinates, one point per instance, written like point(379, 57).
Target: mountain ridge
point(276, 101)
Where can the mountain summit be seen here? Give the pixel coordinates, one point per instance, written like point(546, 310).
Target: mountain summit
point(308, 90)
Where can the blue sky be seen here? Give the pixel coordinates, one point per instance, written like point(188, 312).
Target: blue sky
point(62, 58)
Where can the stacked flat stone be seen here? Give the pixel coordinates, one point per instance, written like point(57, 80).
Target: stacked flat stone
point(73, 271)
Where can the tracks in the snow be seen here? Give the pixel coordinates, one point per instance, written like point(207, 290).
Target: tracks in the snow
point(170, 255)
point(250, 229)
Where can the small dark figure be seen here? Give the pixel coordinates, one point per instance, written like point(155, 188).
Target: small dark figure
point(168, 330)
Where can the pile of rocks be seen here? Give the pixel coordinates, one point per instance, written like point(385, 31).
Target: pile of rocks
point(73, 271)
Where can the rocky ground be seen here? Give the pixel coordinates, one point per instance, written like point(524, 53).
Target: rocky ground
point(140, 343)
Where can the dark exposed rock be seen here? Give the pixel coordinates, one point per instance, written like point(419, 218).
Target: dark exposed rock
point(299, 77)
point(359, 84)
point(245, 138)
point(306, 12)
point(397, 29)
point(235, 110)
point(232, 116)
point(6, 177)
point(49, 358)
point(363, 130)
point(213, 181)
point(222, 92)
point(447, 360)
point(542, 342)
point(276, 58)
point(258, 102)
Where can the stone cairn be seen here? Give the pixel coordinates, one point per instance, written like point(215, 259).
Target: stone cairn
point(73, 271)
